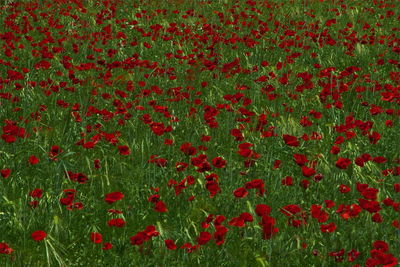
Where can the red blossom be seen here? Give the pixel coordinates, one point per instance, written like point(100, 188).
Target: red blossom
point(160, 206)
point(343, 163)
point(118, 222)
point(240, 192)
point(5, 173)
point(288, 181)
point(38, 235)
point(262, 209)
point(268, 227)
point(307, 171)
point(291, 140)
point(300, 159)
point(124, 150)
point(33, 160)
point(107, 246)
point(219, 234)
point(218, 162)
point(36, 193)
point(170, 244)
point(96, 238)
point(203, 238)
point(5, 249)
point(113, 197)
point(328, 228)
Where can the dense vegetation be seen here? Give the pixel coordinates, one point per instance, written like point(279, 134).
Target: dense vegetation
point(199, 133)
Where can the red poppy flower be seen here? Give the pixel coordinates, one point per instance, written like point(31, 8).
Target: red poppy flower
point(374, 137)
point(381, 246)
point(96, 163)
point(124, 150)
point(67, 201)
point(8, 138)
point(213, 188)
point(277, 164)
point(318, 213)
point(204, 238)
point(160, 207)
point(262, 209)
point(240, 192)
point(258, 184)
point(329, 203)
point(307, 172)
point(119, 222)
point(113, 197)
point(247, 217)
point(138, 239)
point(168, 142)
point(188, 149)
point(369, 205)
point(219, 235)
point(218, 162)
point(38, 235)
point(361, 187)
point(5, 249)
point(343, 163)
point(328, 228)
point(268, 227)
point(335, 150)
point(318, 177)
point(219, 220)
point(237, 222)
point(96, 238)
point(33, 160)
point(352, 255)
point(107, 246)
point(370, 193)
point(36, 193)
point(14, 75)
point(170, 244)
point(344, 188)
point(291, 140)
point(377, 218)
point(290, 210)
point(288, 181)
point(359, 161)
point(396, 187)
point(151, 231)
point(43, 64)
point(5, 173)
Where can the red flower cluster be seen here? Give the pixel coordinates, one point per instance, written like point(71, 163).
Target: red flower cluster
point(267, 222)
point(144, 236)
point(380, 256)
point(241, 220)
point(11, 131)
point(159, 205)
point(68, 201)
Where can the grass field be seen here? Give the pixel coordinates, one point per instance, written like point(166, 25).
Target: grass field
point(199, 133)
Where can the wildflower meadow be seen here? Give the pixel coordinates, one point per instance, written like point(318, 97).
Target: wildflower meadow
point(200, 133)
